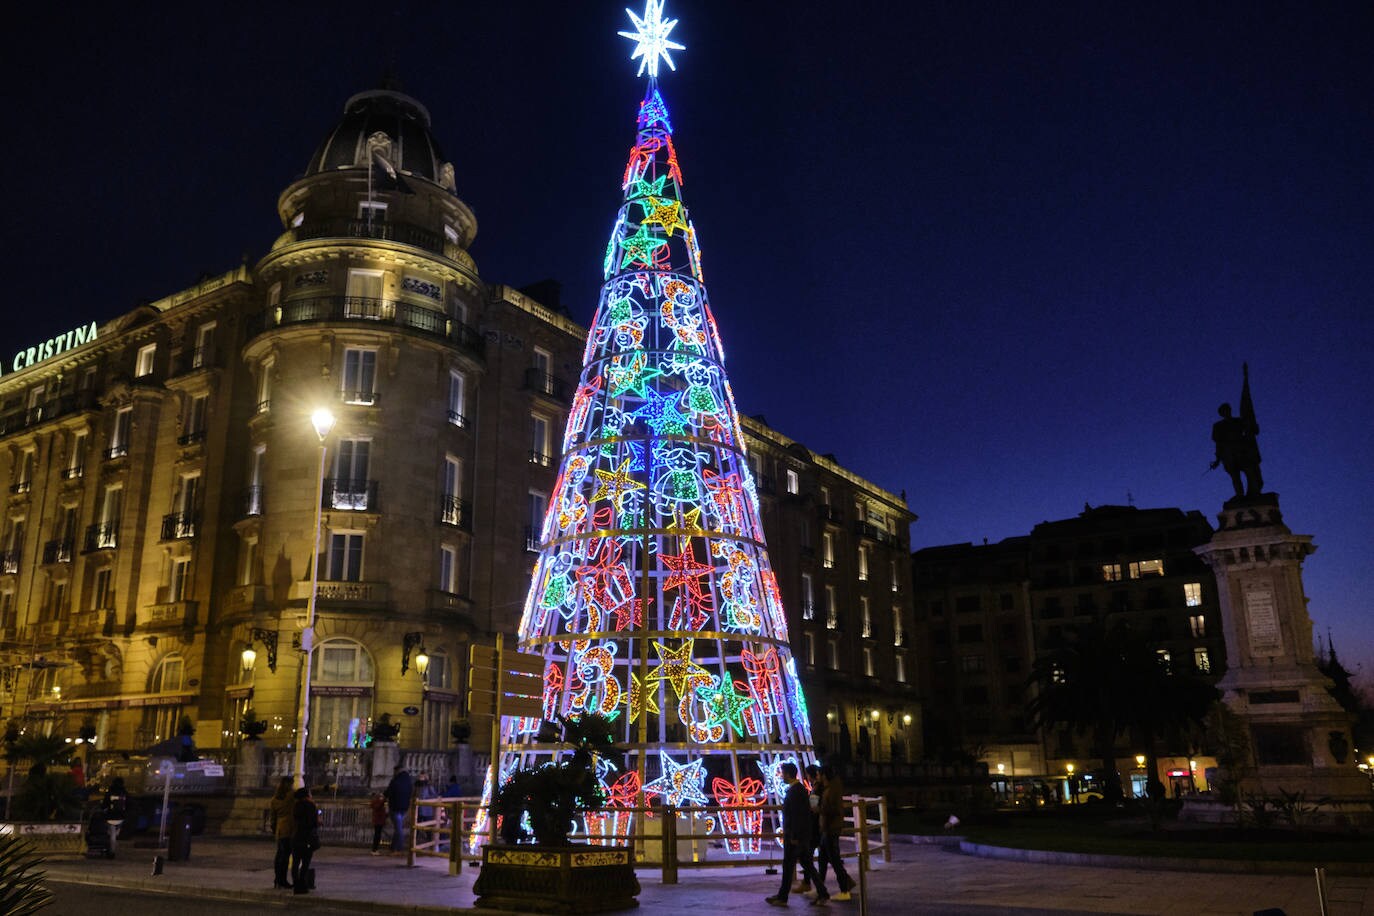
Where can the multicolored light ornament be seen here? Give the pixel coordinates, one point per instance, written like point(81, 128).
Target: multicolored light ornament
point(653, 595)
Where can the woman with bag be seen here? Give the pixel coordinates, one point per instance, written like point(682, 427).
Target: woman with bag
point(281, 830)
point(305, 839)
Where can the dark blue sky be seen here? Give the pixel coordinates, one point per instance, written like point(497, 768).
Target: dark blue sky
point(1007, 257)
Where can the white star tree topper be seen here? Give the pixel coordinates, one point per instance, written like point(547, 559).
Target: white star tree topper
point(651, 33)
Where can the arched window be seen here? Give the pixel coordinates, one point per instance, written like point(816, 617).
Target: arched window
point(160, 720)
point(341, 681)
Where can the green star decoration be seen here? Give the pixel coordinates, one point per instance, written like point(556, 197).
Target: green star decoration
point(640, 247)
point(641, 188)
point(723, 704)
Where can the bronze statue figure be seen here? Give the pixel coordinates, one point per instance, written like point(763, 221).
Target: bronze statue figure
point(1237, 443)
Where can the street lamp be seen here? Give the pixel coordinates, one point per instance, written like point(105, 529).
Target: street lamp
point(1073, 786)
point(323, 421)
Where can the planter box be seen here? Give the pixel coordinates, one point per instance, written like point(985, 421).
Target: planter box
point(55, 838)
point(557, 879)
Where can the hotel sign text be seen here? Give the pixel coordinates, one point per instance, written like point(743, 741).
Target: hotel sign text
point(50, 348)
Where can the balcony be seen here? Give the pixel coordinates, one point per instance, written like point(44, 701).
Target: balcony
point(115, 452)
point(532, 537)
point(23, 486)
point(246, 599)
point(872, 532)
point(358, 398)
point(457, 419)
point(829, 514)
point(9, 561)
point(449, 603)
point(403, 315)
point(170, 615)
point(350, 495)
point(86, 624)
point(550, 386)
point(58, 551)
point(456, 512)
point(540, 458)
point(75, 472)
point(195, 360)
point(179, 526)
point(103, 536)
point(379, 229)
point(193, 437)
point(342, 595)
point(250, 502)
point(48, 411)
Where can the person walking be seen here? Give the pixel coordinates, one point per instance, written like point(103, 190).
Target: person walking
point(796, 839)
point(811, 779)
point(281, 829)
point(398, 793)
point(305, 839)
point(832, 826)
point(378, 821)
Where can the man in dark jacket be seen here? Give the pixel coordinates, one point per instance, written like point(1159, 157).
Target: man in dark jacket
point(398, 793)
point(796, 839)
point(305, 839)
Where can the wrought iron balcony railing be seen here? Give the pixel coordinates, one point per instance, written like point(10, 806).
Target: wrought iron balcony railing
point(58, 551)
point(430, 322)
point(551, 386)
point(357, 495)
point(48, 411)
point(379, 229)
point(192, 437)
point(101, 536)
point(455, 511)
point(179, 526)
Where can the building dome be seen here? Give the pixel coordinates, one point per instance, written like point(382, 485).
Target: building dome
point(405, 122)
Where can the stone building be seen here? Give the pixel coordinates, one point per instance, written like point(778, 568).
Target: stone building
point(985, 612)
point(164, 479)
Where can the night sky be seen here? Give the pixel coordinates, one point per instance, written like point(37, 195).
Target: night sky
point(1007, 257)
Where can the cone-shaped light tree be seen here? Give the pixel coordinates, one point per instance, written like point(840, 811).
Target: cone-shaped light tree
point(653, 601)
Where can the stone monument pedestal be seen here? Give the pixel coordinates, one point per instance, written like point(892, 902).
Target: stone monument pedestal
point(1298, 738)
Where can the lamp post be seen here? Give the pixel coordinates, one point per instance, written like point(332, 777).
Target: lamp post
point(323, 421)
point(1073, 784)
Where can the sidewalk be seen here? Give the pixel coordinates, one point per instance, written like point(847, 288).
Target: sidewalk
point(922, 880)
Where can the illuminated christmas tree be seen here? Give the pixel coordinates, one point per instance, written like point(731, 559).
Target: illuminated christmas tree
point(653, 601)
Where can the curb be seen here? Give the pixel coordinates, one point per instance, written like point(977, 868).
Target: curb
point(1164, 863)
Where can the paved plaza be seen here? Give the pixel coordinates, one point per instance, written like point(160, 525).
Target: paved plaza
point(921, 879)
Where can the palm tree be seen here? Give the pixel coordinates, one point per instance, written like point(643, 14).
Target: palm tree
point(1104, 683)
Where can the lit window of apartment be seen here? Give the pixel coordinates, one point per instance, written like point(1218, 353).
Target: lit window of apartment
point(76, 458)
point(179, 586)
point(868, 662)
point(1142, 568)
point(360, 376)
point(900, 660)
point(252, 503)
point(119, 433)
point(865, 618)
point(832, 649)
point(350, 487)
point(345, 557)
point(36, 402)
point(540, 451)
point(892, 571)
point(102, 594)
point(1165, 659)
point(203, 355)
point(107, 529)
point(371, 211)
point(248, 560)
point(808, 647)
point(1192, 594)
point(898, 633)
point(863, 562)
point(185, 503)
point(832, 608)
point(363, 294)
point(793, 482)
point(14, 546)
point(448, 569)
point(536, 508)
point(265, 385)
point(1197, 625)
point(1111, 572)
point(828, 550)
point(25, 482)
point(193, 425)
point(825, 496)
point(451, 485)
point(143, 365)
point(457, 399)
point(1202, 661)
point(808, 597)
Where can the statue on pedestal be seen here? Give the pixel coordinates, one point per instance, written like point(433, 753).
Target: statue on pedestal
point(1237, 443)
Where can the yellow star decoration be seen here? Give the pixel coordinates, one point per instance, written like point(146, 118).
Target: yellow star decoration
point(640, 699)
point(677, 667)
point(665, 212)
point(689, 520)
point(617, 483)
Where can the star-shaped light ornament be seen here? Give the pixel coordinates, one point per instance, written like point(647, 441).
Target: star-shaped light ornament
point(663, 211)
point(651, 37)
point(639, 248)
point(680, 782)
point(676, 667)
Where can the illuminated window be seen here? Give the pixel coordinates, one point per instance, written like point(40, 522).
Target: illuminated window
point(539, 441)
point(345, 557)
point(865, 618)
point(143, 366)
point(863, 563)
point(101, 593)
point(339, 715)
point(536, 507)
point(451, 505)
point(828, 550)
point(360, 376)
point(1202, 661)
point(1165, 659)
point(868, 662)
point(1192, 594)
point(265, 385)
point(76, 460)
point(892, 569)
point(1197, 625)
point(1057, 675)
point(205, 345)
point(119, 433)
point(809, 647)
point(180, 584)
point(833, 653)
point(825, 496)
point(363, 294)
point(457, 403)
point(248, 560)
point(448, 570)
point(808, 597)
point(793, 483)
point(832, 608)
point(1143, 568)
point(350, 488)
point(1111, 572)
point(901, 667)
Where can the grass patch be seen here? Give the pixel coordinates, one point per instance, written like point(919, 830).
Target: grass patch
point(1102, 830)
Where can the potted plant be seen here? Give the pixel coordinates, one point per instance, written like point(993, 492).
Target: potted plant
point(250, 726)
point(383, 729)
point(461, 730)
point(554, 875)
